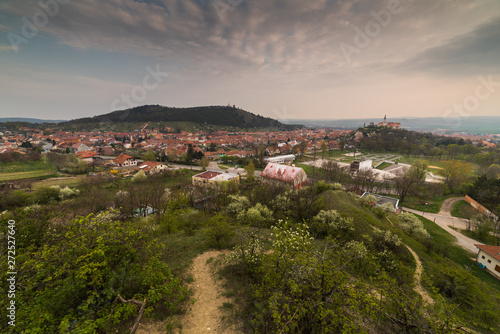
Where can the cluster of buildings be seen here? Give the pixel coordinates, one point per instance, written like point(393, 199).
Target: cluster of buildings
point(89, 144)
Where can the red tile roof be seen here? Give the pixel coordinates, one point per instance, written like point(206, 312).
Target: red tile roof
point(148, 165)
point(122, 158)
point(490, 250)
point(86, 154)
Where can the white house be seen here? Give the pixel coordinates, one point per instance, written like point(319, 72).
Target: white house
point(488, 257)
point(151, 168)
point(124, 160)
point(281, 158)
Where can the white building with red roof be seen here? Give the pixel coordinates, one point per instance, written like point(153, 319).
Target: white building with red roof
point(291, 175)
point(211, 177)
point(124, 160)
point(152, 167)
point(488, 257)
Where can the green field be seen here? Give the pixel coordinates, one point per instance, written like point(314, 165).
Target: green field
point(384, 165)
point(36, 174)
point(415, 203)
point(462, 209)
point(25, 170)
point(62, 182)
point(433, 162)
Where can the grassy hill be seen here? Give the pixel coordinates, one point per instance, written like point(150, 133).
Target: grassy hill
point(225, 117)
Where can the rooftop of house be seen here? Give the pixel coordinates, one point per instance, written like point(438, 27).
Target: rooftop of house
point(148, 165)
point(122, 158)
point(490, 250)
point(207, 175)
point(281, 172)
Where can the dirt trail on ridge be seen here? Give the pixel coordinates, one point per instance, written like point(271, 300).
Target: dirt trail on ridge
point(205, 315)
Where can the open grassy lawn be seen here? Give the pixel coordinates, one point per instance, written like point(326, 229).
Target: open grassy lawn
point(16, 166)
point(434, 162)
point(487, 239)
point(58, 181)
point(308, 169)
point(462, 209)
point(384, 165)
point(433, 203)
point(35, 174)
point(25, 170)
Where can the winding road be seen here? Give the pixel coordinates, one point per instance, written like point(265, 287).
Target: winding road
point(445, 220)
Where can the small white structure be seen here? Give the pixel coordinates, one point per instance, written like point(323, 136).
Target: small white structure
point(212, 177)
point(361, 166)
point(280, 159)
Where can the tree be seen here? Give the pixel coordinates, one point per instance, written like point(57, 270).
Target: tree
point(412, 226)
point(150, 155)
point(303, 147)
point(70, 283)
point(493, 172)
point(324, 148)
point(204, 162)
point(189, 154)
point(456, 172)
point(140, 176)
point(405, 180)
point(250, 171)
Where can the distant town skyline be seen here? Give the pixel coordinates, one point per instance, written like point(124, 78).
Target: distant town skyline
point(320, 59)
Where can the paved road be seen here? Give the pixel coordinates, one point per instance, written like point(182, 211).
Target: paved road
point(445, 222)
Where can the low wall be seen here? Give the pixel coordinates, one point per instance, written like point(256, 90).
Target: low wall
point(476, 205)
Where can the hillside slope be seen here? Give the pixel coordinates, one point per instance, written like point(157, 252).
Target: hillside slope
point(213, 115)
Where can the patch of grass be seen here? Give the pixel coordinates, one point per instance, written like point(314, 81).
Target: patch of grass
point(416, 203)
point(16, 166)
point(210, 260)
point(384, 165)
point(171, 324)
point(347, 206)
point(487, 239)
point(186, 248)
point(35, 174)
point(229, 294)
point(62, 182)
point(308, 169)
point(227, 306)
point(462, 209)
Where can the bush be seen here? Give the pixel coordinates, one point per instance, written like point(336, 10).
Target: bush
point(47, 195)
point(67, 192)
point(331, 223)
point(259, 216)
point(220, 233)
point(412, 226)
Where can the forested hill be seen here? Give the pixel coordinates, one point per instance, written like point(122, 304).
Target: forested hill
point(213, 115)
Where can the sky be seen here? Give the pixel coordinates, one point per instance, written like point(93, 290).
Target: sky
point(285, 59)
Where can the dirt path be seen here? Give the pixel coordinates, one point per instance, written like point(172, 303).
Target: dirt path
point(418, 279)
point(447, 205)
point(205, 315)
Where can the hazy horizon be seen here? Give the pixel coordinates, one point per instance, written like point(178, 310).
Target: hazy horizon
point(322, 59)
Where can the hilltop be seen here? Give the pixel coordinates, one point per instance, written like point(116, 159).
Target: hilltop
point(228, 117)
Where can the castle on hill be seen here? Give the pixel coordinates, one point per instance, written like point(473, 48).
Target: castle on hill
point(392, 125)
